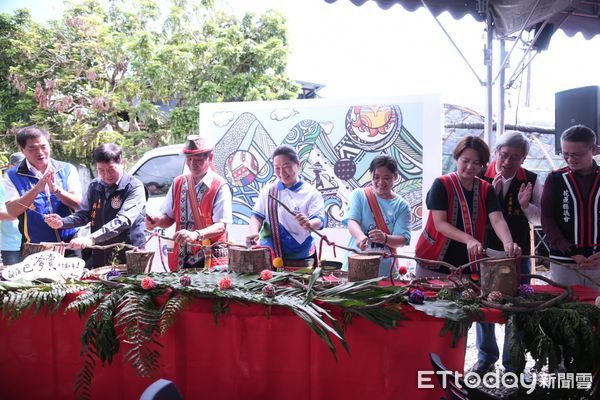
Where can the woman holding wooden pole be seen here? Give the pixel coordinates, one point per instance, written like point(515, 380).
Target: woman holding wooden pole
point(461, 204)
point(377, 218)
point(288, 235)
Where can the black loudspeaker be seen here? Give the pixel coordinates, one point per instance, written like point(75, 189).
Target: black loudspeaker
point(543, 39)
point(579, 106)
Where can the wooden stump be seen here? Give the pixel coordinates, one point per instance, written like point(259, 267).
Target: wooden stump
point(499, 276)
point(32, 248)
point(249, 261)
point(362, 267)
point(139, 261)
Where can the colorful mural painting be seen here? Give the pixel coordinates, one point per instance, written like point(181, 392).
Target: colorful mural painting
point(336, 142)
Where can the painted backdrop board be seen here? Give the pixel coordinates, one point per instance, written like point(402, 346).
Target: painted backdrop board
point(336, 141)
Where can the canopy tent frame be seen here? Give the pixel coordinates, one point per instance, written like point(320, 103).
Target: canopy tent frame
point(484, 11)
point(484, 8)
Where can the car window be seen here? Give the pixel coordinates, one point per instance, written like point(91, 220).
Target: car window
point(158, 173)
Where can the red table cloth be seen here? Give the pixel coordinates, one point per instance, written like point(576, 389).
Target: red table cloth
point(244, 356)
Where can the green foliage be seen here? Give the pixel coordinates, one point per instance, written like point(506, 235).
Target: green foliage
point(566, 333)
point(36, 296)
point(139, 317)
point(144, 315)
point(86, 300)
point(219, 307)
point(109, 72)
point(99, 340)
point(174, 305)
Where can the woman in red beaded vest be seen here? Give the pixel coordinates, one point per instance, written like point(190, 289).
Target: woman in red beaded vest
point(460, 205)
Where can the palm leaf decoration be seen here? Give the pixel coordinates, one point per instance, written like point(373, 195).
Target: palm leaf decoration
point(143, 318)
point(565, 332)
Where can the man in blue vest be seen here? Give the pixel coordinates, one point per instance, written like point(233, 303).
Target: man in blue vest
point(519, 192)
point(11, 237)
point(115, 205)
point(571, 211)
point(40, 185)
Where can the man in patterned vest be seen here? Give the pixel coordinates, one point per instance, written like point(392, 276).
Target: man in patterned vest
point(571, 211)
point(199, 203)
point(40, 185)
point(519, 192)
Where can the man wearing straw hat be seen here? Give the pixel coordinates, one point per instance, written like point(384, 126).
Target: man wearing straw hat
point(40, 185)
point(115, 206)
point(199, 203)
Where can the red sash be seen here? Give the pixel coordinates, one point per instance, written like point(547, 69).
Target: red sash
point(202, 213)
point(432, 244)
point(376, 210)
point(379, 220)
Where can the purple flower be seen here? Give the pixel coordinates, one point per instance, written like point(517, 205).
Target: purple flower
point(269, 290)
point(416, 296)
point(525, 290)
point(185, 280)
point(112, 273)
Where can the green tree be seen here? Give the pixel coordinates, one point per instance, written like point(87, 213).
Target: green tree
point(109, 73)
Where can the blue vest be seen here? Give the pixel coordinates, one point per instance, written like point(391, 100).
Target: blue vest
point(31, 224)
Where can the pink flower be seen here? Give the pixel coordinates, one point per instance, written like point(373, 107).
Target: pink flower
point(495, 297)
point(225, 283)
point(402, 270)
point(266, 274)
point(148, 283)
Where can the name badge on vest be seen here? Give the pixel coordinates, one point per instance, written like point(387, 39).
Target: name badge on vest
point(116, 202)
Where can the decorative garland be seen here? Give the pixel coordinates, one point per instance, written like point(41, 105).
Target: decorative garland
point(567, 333)
point(132, 306)
point(144, 307)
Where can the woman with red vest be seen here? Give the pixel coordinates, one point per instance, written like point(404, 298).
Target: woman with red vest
point(199, 203)
point(460, 204)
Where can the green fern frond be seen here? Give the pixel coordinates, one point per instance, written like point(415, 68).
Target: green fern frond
point(173, 306)
point(86, 301)
point(219, 307)
point(140, 319)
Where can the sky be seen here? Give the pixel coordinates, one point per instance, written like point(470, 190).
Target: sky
point(369, 52)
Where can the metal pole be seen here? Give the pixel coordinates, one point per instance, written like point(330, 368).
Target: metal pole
point(501, 92)
point(528, 87)
point(487, 133)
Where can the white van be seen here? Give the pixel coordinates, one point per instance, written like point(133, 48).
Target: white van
point(156, 169)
